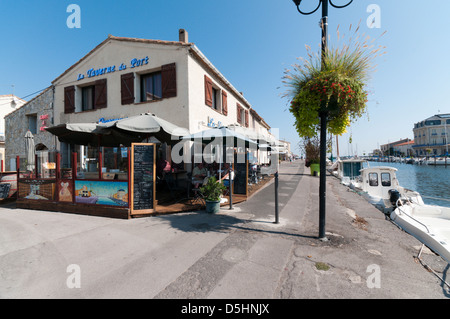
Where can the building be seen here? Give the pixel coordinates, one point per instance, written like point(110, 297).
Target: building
point(404, 149)
point(8, 103)
point(123, 77)
point(33, 116)
point(390, 148)
point(431, 136)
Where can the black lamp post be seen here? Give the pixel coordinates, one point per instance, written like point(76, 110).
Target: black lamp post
point(323, 113)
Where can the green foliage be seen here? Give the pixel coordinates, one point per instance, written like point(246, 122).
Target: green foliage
point(334, 84)
point(213, 189)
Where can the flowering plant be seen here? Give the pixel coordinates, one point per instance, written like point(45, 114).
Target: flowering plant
point(333, 82)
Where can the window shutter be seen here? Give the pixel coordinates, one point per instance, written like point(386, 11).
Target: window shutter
point(238, 111)
point(69, 99)
point(169, 80)
point(224, 103)
point(101, 96)
point(208, 91)
point(127, 88)
point(246, 118)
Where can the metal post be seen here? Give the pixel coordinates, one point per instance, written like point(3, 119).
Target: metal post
point(277, 218)
point(323, 133)
point(323, 175)
point(230, 187)
point(323, 113)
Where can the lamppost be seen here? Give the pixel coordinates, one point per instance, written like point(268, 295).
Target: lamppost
point(323, 113)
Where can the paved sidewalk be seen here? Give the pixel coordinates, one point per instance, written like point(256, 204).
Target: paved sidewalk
point(233, 255)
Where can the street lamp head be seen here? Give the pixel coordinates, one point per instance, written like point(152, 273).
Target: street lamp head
point(297, 2)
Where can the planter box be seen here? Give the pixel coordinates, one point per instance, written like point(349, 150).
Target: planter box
point(212, 207)
point(315, 169)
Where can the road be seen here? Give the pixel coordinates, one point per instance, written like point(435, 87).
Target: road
point(235, 254)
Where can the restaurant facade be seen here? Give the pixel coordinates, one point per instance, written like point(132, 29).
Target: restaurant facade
point(119, 79)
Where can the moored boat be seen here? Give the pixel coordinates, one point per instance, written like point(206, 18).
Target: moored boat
point(428, 223)
point(380, 186)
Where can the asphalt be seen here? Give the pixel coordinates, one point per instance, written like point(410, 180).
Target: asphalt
point(235, 254)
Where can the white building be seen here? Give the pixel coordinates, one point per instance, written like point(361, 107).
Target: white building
point(123, 77)
point(431, 135)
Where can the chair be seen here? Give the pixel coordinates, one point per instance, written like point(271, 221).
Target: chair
point(197, 197)
point(172, 185)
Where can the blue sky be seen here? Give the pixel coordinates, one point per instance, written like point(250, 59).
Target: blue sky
point(252, 43)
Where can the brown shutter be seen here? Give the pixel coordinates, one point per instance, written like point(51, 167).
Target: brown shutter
point(246, 118)
point(239, 114)
point(224, 103)
point(127, 88)
point(101, 94)
point(208, 91)
point(169, 80)
point(69, 99)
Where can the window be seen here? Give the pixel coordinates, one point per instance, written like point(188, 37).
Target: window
point(151, 87)
point(87, 98)
point(115, 163)
point(215, 99)
point(373, 179)
point(385, 179)
point(32, 123)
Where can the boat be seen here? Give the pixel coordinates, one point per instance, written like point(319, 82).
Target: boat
point(438, 161)
point(348, 170)
point(380, 186)
point(85, 196)
point(428, 223)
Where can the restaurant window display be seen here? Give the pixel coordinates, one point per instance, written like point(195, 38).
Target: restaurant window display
point(115, 163)
point(88, 162)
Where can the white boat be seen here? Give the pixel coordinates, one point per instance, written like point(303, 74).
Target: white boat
point(380, 186)
point(348, 170)
point(428, 223)
point(438, 161)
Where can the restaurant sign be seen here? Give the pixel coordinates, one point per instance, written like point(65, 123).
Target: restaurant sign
point(93, 72)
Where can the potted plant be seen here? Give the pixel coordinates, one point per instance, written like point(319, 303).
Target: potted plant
point(212, 192)
point(311, 147)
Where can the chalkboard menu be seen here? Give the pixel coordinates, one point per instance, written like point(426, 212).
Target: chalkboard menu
point(240, 175)
point(143, 157)
point(4, 190)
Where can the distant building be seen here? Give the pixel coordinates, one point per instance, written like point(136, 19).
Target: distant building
point(8, 103)
point(431, 136)
point(404, 149)
point(390, 149)
point(32, 116)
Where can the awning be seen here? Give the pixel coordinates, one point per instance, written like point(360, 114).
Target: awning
point(121, 132)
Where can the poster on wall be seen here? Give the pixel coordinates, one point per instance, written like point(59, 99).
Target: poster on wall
point(143, 170)
point(36, 189)
point(65, 190)
point(109, 193)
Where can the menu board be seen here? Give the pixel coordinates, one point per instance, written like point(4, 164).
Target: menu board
point(143, 158)
point(240, 175)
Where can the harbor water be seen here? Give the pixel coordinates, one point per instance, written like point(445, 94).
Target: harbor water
point(432, 182)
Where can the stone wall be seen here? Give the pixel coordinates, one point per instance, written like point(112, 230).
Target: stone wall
point(17, 123)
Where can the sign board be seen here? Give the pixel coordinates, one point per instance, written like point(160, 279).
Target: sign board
point(240, 175)
point(143, 172)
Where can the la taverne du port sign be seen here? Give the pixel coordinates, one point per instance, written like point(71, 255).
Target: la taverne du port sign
point(93, 72)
